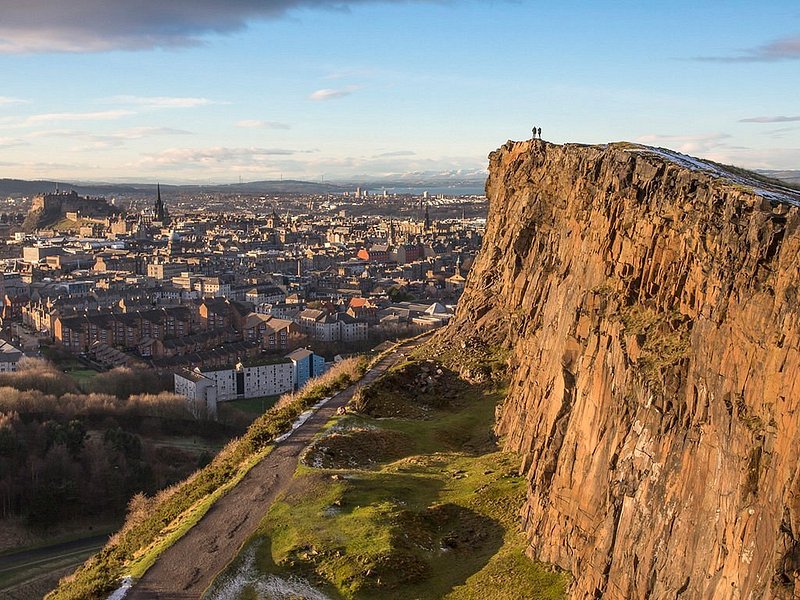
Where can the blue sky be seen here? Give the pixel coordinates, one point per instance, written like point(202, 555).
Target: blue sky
point(205, 90)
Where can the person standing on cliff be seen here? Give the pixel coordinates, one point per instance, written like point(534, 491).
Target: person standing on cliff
point(534, 133)
point(540, 133)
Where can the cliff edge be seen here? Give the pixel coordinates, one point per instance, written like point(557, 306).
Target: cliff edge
point(650, 302)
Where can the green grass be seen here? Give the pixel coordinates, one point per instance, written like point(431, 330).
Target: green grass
point(440, 522)
point(66, 225)
point(145, 557)
point(82, 376)
point(254, 406)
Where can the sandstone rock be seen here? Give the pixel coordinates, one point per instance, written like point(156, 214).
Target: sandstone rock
point(651, 308)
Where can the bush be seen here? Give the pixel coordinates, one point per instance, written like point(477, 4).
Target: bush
point(38, 374)
point(124, 382)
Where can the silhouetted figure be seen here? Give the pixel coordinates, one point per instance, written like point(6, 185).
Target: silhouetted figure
point(540, 133)
point(534, 133)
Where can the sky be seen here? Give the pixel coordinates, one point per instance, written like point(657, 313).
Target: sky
point(187, 91)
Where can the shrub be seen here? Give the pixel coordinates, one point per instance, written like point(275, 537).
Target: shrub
point(124, 382)
point(38, 374)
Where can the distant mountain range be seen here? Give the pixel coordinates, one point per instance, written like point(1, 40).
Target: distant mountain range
point(790, 176)
point(17, 188)
point(466, 182)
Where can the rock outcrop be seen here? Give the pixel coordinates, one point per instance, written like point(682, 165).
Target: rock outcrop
point(650, 302)
point(48, 209)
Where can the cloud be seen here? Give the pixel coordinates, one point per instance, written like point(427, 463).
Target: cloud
point(780, 133)
point(106, 115)
point(136, 133)
point(329, 94)
point(258, 124)
point(103, 25)
point(8, 142)
point(60, 133)
point(690, 144)
point(115, 140)
point(350, 73)
point(91, 141)
point(778, 119)
point(396, 153)
point(787, 48)
point(6, 100)
point(162, 101)
point(218, 155)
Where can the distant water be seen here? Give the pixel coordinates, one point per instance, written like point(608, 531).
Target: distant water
point(466, 190)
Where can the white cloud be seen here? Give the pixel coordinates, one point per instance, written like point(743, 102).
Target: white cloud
point(218, 155)
point(688, 144)
point(6, 100)
point(60, 133)
point(162, 101)
point(136, 133)
point(330, 94)
point(107, 115)
point(258, 124)
point(395, 153)
point(757, 158)
point(8, 142)
point(777, 119)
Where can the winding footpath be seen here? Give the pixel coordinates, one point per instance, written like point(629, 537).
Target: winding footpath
point(189, 566)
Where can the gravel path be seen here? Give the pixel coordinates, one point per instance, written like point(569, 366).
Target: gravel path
point(188, 567)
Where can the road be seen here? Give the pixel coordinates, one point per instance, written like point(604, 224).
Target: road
point(30, 573)
point(189, 566)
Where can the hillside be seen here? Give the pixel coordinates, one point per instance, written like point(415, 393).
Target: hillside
point(649, 301)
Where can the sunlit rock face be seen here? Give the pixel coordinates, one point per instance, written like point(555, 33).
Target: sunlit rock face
point(650, 302)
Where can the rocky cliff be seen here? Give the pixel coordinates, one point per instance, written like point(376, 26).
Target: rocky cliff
point(650, 301)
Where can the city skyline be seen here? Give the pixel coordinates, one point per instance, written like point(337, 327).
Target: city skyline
point(347, 90)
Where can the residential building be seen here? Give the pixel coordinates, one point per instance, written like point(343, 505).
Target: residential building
point(9, 357)
point(306, 366)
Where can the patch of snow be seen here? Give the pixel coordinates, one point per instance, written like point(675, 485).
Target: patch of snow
point(304, 416)
point(266, 587)
point(122, 591)
point(774, 193)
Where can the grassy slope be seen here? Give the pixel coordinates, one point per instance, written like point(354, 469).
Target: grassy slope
point(158, 522)
point(439, 521)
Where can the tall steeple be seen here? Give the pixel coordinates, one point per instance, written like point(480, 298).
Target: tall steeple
point(159, 210)
point(427, 218)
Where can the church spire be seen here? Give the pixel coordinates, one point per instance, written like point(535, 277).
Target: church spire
point(160, 211)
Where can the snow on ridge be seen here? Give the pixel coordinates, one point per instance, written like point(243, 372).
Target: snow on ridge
point(775, 193)
point(300, 420)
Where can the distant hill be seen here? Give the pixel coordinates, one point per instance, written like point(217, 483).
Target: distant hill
point(455, 182)
point(18, 188)
point(788, 175)
point(284, 186)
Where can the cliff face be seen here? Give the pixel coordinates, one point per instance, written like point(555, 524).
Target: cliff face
point(651, 305)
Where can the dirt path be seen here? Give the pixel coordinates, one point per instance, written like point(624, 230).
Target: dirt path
point(188, 567)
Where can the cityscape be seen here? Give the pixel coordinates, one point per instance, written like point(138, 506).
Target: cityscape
point(176, 286)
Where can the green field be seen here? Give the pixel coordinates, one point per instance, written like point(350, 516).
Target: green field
point(82, 376)
point(254, 406)
point(419, 505)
